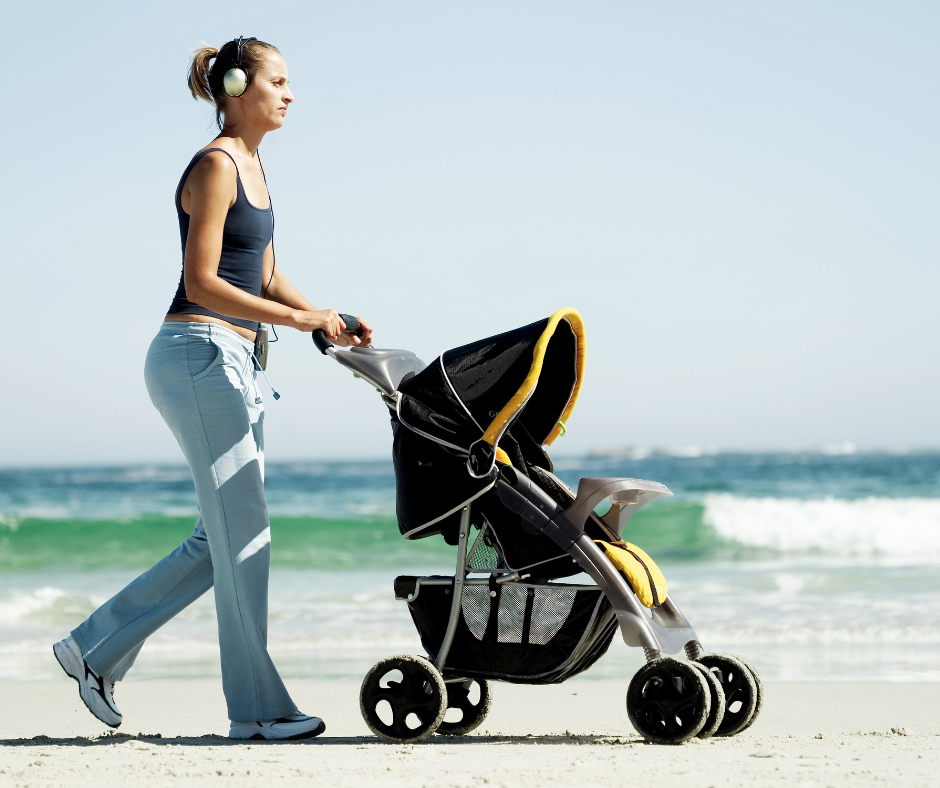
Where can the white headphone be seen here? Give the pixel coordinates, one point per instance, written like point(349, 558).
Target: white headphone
point(235, 81)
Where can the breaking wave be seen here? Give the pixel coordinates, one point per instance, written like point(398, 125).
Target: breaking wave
point(718, 527)
point(870, 527)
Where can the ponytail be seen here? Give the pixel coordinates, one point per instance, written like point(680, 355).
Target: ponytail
point(198, 79)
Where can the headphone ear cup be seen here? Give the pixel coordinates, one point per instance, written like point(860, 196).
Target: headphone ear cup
point(235, 82)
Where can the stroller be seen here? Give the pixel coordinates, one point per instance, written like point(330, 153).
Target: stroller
point(470, 431)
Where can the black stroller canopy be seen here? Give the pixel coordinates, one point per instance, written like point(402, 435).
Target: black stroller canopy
point(462, 404)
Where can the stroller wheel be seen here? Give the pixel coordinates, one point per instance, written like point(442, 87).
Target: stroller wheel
point(472, 712)
point(741, 691)
point(668, 701)
point(717, 713)
point(403, 699)
point(760, 694)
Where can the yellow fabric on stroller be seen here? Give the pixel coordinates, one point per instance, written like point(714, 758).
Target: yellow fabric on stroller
point(644, 577)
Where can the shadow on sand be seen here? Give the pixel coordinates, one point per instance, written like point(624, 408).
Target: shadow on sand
point(211, 740)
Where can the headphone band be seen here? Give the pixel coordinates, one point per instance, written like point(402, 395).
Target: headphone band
point(239, 46)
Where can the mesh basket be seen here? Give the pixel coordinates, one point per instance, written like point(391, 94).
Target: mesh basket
point(533, 633)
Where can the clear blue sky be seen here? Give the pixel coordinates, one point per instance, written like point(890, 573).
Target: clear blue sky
point(740, 197)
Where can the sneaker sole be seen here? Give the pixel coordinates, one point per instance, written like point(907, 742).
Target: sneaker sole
point(55, 653)
point(298, 737)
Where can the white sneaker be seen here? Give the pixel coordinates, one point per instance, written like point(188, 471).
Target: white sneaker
point(296, 726)
point(97, 692)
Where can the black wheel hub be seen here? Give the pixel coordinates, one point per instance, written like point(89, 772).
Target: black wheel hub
point(740, 691)
point(415, 694)
point(472, 713)
point(667, 702)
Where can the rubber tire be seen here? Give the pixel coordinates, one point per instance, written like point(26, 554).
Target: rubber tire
point(717, 713)
point(692, 699)
point(739, 685)
point(458, 693)
point(760, 694)
point(422, 692)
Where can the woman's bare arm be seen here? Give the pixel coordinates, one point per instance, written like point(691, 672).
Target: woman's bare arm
point(279, 288)
point(211, 188)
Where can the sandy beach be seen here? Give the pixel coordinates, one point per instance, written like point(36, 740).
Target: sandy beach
point(574, 734)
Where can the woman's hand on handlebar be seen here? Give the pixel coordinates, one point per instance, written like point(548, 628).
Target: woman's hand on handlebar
point(326, 319)
point(351, 340)
point(332, 325)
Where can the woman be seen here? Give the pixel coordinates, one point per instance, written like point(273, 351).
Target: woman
point(201, 376)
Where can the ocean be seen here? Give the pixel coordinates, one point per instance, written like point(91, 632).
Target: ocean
point(812, 566)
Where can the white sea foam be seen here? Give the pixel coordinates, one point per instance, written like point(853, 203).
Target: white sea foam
point(21, 604)
point(857, 634)
point(906, 528)
point(858, 620)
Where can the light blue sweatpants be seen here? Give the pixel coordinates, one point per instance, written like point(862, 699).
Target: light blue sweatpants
point(201, 378)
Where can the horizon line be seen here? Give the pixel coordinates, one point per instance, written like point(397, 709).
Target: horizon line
point(631, 453)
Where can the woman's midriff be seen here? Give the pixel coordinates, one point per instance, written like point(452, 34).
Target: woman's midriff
point(182, 317)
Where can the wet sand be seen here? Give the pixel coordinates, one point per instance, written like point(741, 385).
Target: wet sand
point(575, 734)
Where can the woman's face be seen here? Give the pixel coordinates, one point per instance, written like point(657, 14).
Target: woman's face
point(265, 103)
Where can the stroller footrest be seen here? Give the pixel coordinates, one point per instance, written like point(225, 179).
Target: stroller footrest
point(408, 587)
point(405, 587)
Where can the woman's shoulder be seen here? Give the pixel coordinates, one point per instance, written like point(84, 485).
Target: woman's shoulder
point(214, 158)
point(214, 165)
point(214, 173)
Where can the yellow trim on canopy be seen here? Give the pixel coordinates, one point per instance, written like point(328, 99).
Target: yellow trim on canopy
point(528, 385)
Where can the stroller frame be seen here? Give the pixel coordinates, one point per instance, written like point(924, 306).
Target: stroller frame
point(668, 701)
point(663, 629)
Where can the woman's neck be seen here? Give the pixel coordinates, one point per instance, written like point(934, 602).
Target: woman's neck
point(243, 140)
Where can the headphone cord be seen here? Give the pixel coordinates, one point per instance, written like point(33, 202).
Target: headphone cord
point(273, 254)
point(271, 206)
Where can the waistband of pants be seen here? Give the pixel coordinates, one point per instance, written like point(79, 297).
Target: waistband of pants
point(214, 331)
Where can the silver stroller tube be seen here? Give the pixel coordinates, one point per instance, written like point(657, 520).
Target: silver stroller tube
point(459, 576)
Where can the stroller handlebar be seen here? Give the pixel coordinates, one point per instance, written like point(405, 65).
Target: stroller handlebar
point(323, 343)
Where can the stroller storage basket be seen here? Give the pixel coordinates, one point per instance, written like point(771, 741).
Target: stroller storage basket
point(524, 633)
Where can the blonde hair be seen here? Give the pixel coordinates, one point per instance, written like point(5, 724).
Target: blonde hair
point(205, 80)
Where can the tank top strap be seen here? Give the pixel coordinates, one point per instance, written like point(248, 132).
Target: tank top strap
point(202, 153)
point(196, 159)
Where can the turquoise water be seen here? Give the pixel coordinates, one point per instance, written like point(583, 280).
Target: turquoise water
point(814, 567)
